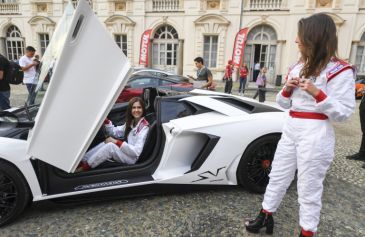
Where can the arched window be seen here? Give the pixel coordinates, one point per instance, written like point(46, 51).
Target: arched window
point(261, 47)
point(262, 33)
point(14, 43)
point(360, 56)
point(164, 48)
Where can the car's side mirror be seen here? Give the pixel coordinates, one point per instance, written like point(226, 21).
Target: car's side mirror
point(127, 86)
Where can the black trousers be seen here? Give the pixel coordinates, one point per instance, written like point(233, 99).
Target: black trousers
point(255, 74)
point(228, 86)
point(362, 122)
point(261, 92)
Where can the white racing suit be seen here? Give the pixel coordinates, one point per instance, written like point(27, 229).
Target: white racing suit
point(123, 152)
point(308, 140)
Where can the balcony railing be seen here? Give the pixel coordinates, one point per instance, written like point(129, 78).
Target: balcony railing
point(9, 8)
point(165, 5)
point(265, 5)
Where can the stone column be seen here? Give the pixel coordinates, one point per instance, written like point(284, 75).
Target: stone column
point(279, 45)
point(352, 58)
point(3, 47)
point(180, 57)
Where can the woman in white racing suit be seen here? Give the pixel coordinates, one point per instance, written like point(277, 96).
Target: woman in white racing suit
point(135, 130)
point(319, 89)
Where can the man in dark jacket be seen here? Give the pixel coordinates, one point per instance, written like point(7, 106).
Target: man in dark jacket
point(361, 154)
point(4, 85)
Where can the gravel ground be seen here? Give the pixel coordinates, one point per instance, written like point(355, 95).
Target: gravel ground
point(208, 213)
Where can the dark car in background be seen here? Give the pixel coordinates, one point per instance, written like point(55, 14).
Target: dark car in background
point(139, 81)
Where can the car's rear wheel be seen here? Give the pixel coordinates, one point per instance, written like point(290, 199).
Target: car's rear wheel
point(14, 193)
point(255, 165)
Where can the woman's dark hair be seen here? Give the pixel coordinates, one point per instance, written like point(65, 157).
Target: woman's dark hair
point(199, 60)
point(318, 37)
point(129, 117)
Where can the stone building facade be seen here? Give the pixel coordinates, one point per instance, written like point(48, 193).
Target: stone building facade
point(185, 29)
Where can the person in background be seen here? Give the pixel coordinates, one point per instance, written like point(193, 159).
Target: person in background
point(361, 154)
point(243, 79)
point(228, 77)
point(134, 131)
point(204, 77)
point(4, 85)
point(256, 71)
point(28, 66)
point(319, 89)
point(261, 85)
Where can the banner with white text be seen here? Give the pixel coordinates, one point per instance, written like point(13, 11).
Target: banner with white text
point(143, 53)
point(239, 47)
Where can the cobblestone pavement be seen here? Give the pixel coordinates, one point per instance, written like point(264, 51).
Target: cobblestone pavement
point(207, 213)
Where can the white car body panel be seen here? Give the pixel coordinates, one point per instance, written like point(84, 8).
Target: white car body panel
point(81, 113)
point(243, 98)
point(226, 154)
point(14, 151)
point(57, 42)
point(213, 104)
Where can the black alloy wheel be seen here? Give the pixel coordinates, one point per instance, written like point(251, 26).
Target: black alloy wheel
point(14, 193)
point(255, 165)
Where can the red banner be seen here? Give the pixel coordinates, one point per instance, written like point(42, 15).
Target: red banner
point(143, 52)
point(239, 47)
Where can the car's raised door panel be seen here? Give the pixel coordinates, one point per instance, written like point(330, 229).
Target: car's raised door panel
point(88, 77)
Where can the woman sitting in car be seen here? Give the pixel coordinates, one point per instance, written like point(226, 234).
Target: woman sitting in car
point(127, 152)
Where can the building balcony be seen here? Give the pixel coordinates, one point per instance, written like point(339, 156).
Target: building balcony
point(266, 5)
point(164, 5)
point(9, 8)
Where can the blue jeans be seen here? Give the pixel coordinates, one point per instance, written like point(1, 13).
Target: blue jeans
point(32, 94)
point(243, 81)
point(4, 100)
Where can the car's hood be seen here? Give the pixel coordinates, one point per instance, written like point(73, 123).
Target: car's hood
point(87, 77)
point(213, 93)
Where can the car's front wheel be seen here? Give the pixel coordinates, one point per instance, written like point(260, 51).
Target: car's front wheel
point(255, 165)
point(14, 193)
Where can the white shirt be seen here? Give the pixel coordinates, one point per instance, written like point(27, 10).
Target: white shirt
point(29, 75)
point(257, 66)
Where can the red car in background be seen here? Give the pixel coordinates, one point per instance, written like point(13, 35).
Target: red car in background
point(139, 81)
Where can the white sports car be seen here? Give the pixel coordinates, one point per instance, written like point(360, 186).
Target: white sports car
point(197, 139)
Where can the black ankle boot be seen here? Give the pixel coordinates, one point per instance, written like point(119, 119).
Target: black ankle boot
point(262, 220)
